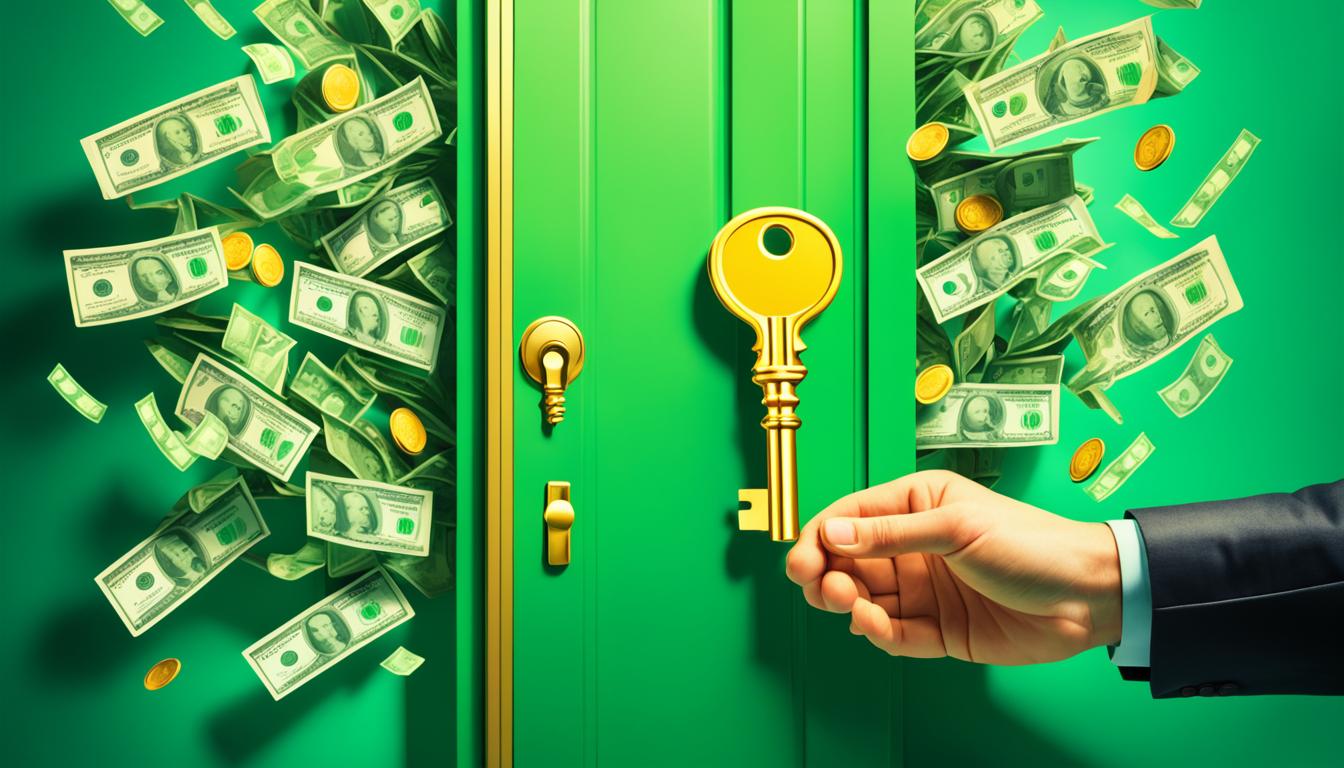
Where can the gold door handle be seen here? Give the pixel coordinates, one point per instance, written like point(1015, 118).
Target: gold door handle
point(559, 517)
point(552, 354)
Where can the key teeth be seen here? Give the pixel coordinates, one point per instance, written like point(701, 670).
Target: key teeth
point(755, 516)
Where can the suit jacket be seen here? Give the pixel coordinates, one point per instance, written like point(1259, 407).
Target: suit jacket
point(1248, 594)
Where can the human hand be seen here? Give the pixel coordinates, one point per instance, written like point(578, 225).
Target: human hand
point(933, 564)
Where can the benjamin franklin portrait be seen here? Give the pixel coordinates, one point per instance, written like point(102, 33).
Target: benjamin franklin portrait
point(366, 317)
point(326, 633)
point(981, 418)
point(231, 406)
point(323, 512)
point(180, 556)
point(994, 259)
point(383, 225)
point(176, 140)
point(973, 33)
point(1147, 321)
point(153, 278)
point(358, 513)
point(359, 143)
point(1072, 85)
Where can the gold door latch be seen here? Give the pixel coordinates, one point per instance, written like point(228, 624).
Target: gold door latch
point(559, 517)
point(552, 354)
point(776, 269)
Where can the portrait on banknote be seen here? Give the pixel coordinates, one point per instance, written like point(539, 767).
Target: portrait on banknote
point(981, 418)
point(180, 556)
point(383, 223)
point(1148, 321)
point(359, 144)
point(153, 278)
point(326, 632)
point(358, 513)
point(366, 318)
point(175, 138)
point(231, 406)
point(993, 260)
point(1071, 84)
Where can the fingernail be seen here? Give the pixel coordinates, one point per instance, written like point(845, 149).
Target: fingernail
point(840, 532)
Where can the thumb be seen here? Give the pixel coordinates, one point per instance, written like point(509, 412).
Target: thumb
point(936, 532)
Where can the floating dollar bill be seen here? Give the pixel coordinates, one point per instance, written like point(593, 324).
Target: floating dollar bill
point(402, 662)
point(329, 393)
point(1216, 183)
point(123, 282)
point(396, 17)
point(1089, 76)
point(176, 365)
point(138, 15)
point(327, 632)
point(359, 143)
point(1044, 369)
point(353, 448)
point(971, 27)
point(974, 342)
point(169, 442)
point(988, 415)
point(430, 271)
point(1135, 210)
point(208, 438)
point(302, 31)
point(262, 430)
point(1149, 317)
point(75, 395)
point(161, 572)
point(273, 62)
point(369, 515)
point(1019, 183)
point(1117, 472)
point(1202, 375)
point(310, 557)
point(259, 348)
point(212, 18)
point(391, 223)
point(178, 137)
point(986, 266)
point(366, 315)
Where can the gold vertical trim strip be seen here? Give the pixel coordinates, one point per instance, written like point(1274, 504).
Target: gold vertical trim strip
point(499, 386)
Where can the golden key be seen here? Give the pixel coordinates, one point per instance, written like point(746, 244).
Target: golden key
point(776, 269)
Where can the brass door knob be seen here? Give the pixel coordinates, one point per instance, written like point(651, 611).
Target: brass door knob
point(552, 353)
point(559, 518)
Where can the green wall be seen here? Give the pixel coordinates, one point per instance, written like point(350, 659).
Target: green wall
point(80, 495)
point(1274, 424)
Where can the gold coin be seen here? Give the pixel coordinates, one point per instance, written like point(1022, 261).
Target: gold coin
point(932, 384)
point(340, 88)
point(237, 250)
point(267, 266)
point(408, 432)
point(977, 213)
point(1154, 147)
point(162, 674)
point(927, 142)
point(1086, 459)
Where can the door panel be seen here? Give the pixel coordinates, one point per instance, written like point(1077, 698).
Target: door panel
point(673, 638)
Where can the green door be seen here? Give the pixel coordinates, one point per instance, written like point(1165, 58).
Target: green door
point(672, 638)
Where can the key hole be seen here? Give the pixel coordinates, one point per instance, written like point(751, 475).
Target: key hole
point(776, 241)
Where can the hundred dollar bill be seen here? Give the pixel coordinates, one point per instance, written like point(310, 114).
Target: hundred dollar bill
point(262, 430)
point(368, 515)
point(402, 662)
point(329, 393)
point(161, 572)
point(1117, 472)
point(1020, 183)
point(123, 282)
point(169, 442)
point(302, 31)
point(391, 223)
point(1045, 369)
point(138, 15)
point(360, 451)
point(430, 272)
point(974, 342)
point(975, 26)
point(178, 137)
point(396, 17)
point(1089, 76)
point(273, 62)
point(75, 395)
point(259, 348)
point(209, 438)
point(359, 143)
point(310, 557)
point(990, 415)
point(1203, 375)
point(1147, 318)
point(1135, 210)
point(328, 631)
point(211, 18)
point(986, 266)
point(1216, 183)
point(366, 315)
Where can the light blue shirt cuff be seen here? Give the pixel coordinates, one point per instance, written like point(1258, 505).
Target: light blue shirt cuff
point(1136, 608)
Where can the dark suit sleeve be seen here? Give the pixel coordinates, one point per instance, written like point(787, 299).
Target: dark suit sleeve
point(1248, 594)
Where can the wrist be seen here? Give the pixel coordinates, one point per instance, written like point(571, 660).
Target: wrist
point(1103, 590)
